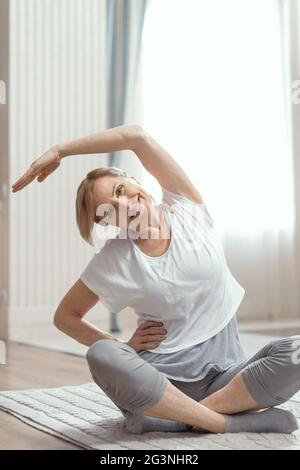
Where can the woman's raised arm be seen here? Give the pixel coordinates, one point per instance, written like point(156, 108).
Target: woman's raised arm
point(152, 155)
point(110, 140)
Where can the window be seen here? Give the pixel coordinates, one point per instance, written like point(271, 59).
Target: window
point(214, 96)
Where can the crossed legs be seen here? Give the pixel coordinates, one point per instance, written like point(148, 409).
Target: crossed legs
point(269, 378)
point(139, 389)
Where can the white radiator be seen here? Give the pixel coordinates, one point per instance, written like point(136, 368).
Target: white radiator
point(57, 92)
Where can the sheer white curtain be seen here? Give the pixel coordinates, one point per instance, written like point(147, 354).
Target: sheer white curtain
point(215, 95)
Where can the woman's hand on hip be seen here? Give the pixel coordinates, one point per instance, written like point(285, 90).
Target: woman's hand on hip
point(148, 335)
point(40, 169)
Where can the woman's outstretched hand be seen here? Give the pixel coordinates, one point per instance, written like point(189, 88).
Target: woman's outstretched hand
point(40, 169)
point(148, 335)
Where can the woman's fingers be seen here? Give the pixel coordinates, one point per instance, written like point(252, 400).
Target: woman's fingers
point(20, 181)
point(41, 168)
point(149, 332)
point(153, 338)
point(28, 176)
point(36, 170)
point(45, 173)
point(151, 327)
point(154, 331)
point(23, 181)
point(149, 335)
point(42, 177)
point(150, 323)
point(23, 184)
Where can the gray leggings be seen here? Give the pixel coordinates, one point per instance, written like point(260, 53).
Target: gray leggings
point(272, 375)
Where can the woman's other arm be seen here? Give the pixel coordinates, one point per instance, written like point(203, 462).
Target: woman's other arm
point(69, 315)
point(78, 301)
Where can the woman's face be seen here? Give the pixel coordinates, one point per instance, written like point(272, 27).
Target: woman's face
point(122, 202)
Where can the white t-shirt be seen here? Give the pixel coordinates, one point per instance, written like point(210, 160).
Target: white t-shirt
point(189, 288)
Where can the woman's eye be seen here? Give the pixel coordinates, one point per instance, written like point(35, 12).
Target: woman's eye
point(119, 190)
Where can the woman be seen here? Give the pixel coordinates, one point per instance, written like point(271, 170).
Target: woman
point(184, 367)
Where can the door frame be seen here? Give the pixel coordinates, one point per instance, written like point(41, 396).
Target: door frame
point(4, 169)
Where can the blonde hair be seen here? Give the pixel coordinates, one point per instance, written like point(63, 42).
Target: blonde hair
point(85, 204)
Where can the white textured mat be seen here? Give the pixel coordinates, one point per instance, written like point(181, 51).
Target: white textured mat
point(84, 415)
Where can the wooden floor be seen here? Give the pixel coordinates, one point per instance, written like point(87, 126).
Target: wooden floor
point(32, 367)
